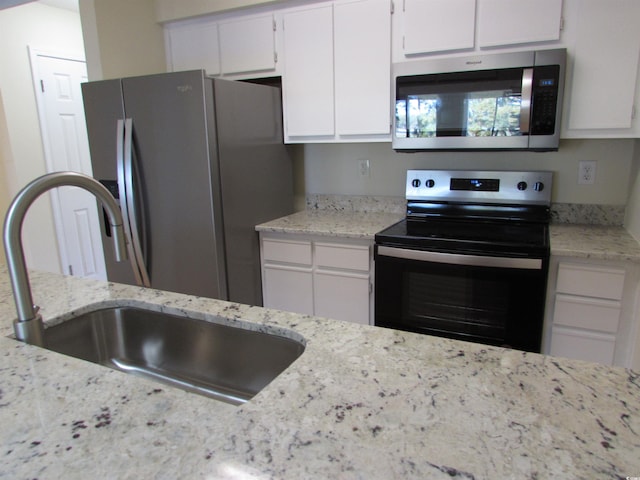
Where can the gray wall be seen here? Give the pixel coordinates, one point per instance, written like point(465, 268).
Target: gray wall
point(333, 169)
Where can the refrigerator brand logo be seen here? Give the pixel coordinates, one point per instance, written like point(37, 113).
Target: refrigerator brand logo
point(184, 88)
point(474, 62)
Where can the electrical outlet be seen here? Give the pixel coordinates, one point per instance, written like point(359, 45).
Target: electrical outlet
point(364, 167)
point(587, 172)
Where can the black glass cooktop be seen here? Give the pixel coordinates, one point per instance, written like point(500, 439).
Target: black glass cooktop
point(463, 236)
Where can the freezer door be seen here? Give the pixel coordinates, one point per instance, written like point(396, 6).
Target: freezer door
point(256, 177)
point(173, 153)
point(103, 108)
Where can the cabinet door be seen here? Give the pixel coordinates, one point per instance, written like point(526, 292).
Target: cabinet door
point(438, 25)
point(194, 46)
point(247, 45)
point(605, 65)
point(510, 22)
point(342, 296)
point(362, 34)
point(308, 94)
point(288, 288)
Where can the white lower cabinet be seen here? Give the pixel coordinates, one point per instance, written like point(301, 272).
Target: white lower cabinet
point(591, 310)
point(318, 275)
point(287, 288)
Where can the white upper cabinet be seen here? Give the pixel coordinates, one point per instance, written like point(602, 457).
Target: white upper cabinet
point(248, 45)
point(336, 76)
point(512, 22)
point(362, 36)
point(335, 56)
point(231, 47)
point(193, 46)
point(307, 81)
point(438, 25)
point(603, 83)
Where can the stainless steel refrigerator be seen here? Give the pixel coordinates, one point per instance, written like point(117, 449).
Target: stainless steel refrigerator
point(195, 163)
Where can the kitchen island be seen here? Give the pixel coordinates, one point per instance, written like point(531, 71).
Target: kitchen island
point(361, 402)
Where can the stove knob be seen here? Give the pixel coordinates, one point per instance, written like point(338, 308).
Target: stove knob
point(522, 186)
point(415, 182)
point(429, 183)
point(538, 186)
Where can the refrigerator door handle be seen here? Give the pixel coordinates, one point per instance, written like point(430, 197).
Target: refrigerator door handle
point(123, 198)
point(131, 201)
point(127, 199)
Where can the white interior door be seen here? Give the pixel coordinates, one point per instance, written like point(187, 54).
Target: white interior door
point(66, 147)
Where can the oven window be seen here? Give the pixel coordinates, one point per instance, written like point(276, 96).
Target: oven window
point(491, 305)
point(463, 303)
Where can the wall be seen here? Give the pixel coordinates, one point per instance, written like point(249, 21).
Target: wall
point(21, 152)
point(7, 172)
point(122, 38)
point(632, 221)
point(333, 169)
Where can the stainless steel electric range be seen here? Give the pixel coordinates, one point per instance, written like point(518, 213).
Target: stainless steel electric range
point(470, 259)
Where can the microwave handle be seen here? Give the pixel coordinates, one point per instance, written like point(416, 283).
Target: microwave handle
point(525, 100)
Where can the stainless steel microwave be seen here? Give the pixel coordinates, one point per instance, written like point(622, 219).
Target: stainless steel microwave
point(509, 101)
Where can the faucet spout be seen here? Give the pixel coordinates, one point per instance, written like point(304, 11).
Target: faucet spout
point(29, 326)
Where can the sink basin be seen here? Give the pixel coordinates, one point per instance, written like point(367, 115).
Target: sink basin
point(222, 362)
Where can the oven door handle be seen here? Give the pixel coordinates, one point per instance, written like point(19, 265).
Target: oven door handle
point(461, 259)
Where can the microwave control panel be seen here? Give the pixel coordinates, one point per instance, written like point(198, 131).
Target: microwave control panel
point(545, 99)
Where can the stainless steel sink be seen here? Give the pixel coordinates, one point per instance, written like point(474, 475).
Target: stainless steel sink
point(222, 362)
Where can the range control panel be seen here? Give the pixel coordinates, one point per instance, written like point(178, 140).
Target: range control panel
point(470, 186)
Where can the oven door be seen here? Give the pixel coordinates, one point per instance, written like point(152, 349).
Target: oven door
point(484, 299)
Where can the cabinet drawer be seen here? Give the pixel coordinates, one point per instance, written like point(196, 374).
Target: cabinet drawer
point(351, 257)
point(589, 281)
point(593, 347)
point(286, 251)
point(589, 313)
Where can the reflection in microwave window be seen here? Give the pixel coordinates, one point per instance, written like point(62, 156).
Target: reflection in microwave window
point(493, 114)
point(482, 114)
point(416, 116)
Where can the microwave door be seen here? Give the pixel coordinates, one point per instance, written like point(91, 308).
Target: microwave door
point(464, 110)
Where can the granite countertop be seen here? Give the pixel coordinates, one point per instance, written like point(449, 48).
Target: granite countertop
point(585, 241)
point(361, 402)
point(594, 242)
point(348, 224)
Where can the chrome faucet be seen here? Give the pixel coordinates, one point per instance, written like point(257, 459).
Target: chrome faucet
point(28, 326)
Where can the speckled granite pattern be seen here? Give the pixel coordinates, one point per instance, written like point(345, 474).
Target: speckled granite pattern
point(594, 241)
point(577, 213)
point(612, 215)
point(360, 403)
point(357, 203)
point(347, 224)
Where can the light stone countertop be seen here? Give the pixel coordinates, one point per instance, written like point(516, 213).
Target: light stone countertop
point(360, 403)
point(585, 241)
point(347, 224)
point(594, 242)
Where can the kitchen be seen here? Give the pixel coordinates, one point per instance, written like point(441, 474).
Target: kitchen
point(332, 169)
